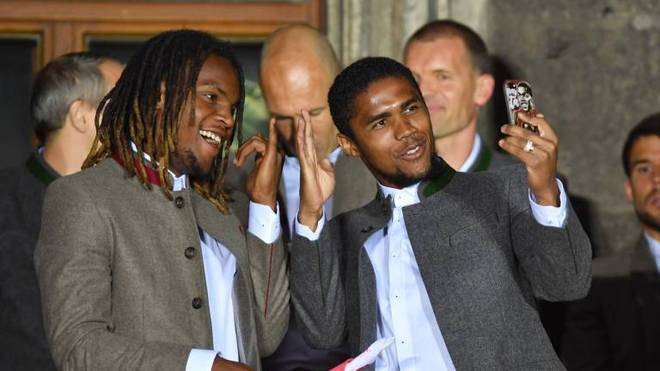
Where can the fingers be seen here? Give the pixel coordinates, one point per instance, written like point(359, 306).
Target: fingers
point(516, 147)
point(305, 139)
point(299, 126)
point(272, 137)
point(255, 144)
point(309, 137)
point(326, 165)
point(545, 130)
point(518, 137)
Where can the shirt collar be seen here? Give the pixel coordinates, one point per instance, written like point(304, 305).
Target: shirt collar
point(476, 147)
point(401, 197)
point(179, 183)
point(654, 246)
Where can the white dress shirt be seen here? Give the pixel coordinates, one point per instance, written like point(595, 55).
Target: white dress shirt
point(219, 270)
point(401, 294)
point(404, 307)
point(472, 157)
point(291, 181)
point(654, 246)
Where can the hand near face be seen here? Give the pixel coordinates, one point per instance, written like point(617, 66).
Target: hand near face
point(540, 158)
point(317, 178)
point(263, 181)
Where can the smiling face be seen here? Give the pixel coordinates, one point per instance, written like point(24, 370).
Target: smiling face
point(391, 132)
point(453, 90)
point(217, 94)
point(643, 185)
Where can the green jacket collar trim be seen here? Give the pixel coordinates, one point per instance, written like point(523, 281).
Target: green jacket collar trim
point(439, 176)
point(40, 169)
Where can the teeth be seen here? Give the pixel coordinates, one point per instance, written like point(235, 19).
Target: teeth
point(210, 137)
point(410, 152)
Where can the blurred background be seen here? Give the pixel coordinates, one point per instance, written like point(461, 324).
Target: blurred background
point(594, 66)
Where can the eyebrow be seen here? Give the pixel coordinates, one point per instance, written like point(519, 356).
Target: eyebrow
point(216, 87)
point(640, 161)
point(279, 116)
point(385, 114)
point(440, 70)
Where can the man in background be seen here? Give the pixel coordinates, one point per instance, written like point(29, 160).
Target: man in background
point(452, 66)
point(617, 326)
point(298, 65)
point(65, 97)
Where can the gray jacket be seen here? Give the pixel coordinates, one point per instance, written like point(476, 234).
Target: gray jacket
point(122, 278)
point(482, 257)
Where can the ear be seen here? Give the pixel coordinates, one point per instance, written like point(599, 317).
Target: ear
point(348, 145)
point(79, 115)
point(627, 189)
point(484, 89)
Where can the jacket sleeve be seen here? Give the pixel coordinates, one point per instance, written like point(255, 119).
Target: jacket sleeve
point(270, 282)
point(73, 261)
point(556, 261)
point(317, 290)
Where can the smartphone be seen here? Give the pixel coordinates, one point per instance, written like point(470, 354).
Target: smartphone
point(519, 98)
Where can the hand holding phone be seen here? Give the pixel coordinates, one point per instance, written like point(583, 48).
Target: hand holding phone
point(519, 98)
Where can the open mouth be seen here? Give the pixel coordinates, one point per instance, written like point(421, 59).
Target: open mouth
point(211, 137)
point(413, 152)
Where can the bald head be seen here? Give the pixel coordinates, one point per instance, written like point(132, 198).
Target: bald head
point(298, 65)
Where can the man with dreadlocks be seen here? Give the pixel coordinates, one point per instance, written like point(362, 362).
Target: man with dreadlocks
point(140, 272)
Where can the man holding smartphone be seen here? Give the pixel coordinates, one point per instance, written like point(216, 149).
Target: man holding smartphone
point(448, 264)
point(452, 66)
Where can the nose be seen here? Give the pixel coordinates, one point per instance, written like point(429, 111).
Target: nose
point(427, 86)
point(403, 128)
point(655, 176)
point(225, 116)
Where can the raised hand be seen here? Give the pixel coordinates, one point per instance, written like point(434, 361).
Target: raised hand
point(264, 179)
point(539, 154)
point(317, 178)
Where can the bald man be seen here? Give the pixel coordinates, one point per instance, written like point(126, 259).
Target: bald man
point(298, 66)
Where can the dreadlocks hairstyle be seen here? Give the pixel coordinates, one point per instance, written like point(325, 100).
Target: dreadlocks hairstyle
point(146, 106)
point(354, 80)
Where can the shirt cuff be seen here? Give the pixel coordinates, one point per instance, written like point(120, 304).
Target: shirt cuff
point(200, 359)
point(264, 223)
point(550, 216)
point(305, 231)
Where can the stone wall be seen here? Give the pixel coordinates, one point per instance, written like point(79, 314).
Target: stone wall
point(594, 65)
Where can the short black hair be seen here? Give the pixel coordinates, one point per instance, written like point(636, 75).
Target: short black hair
point(474, 44)
point(650, 126)
point(354, 80)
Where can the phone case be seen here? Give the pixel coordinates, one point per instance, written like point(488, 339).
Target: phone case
point(518, 96)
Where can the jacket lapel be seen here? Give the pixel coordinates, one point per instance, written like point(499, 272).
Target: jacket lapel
point(427, 239)
point(228, 230)
point(355, 186)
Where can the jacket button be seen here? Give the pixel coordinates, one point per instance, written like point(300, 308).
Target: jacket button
point(189, 252)
point(197, 303)
point(178, 201)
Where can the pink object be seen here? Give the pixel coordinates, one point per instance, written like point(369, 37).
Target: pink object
point(342, 366)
